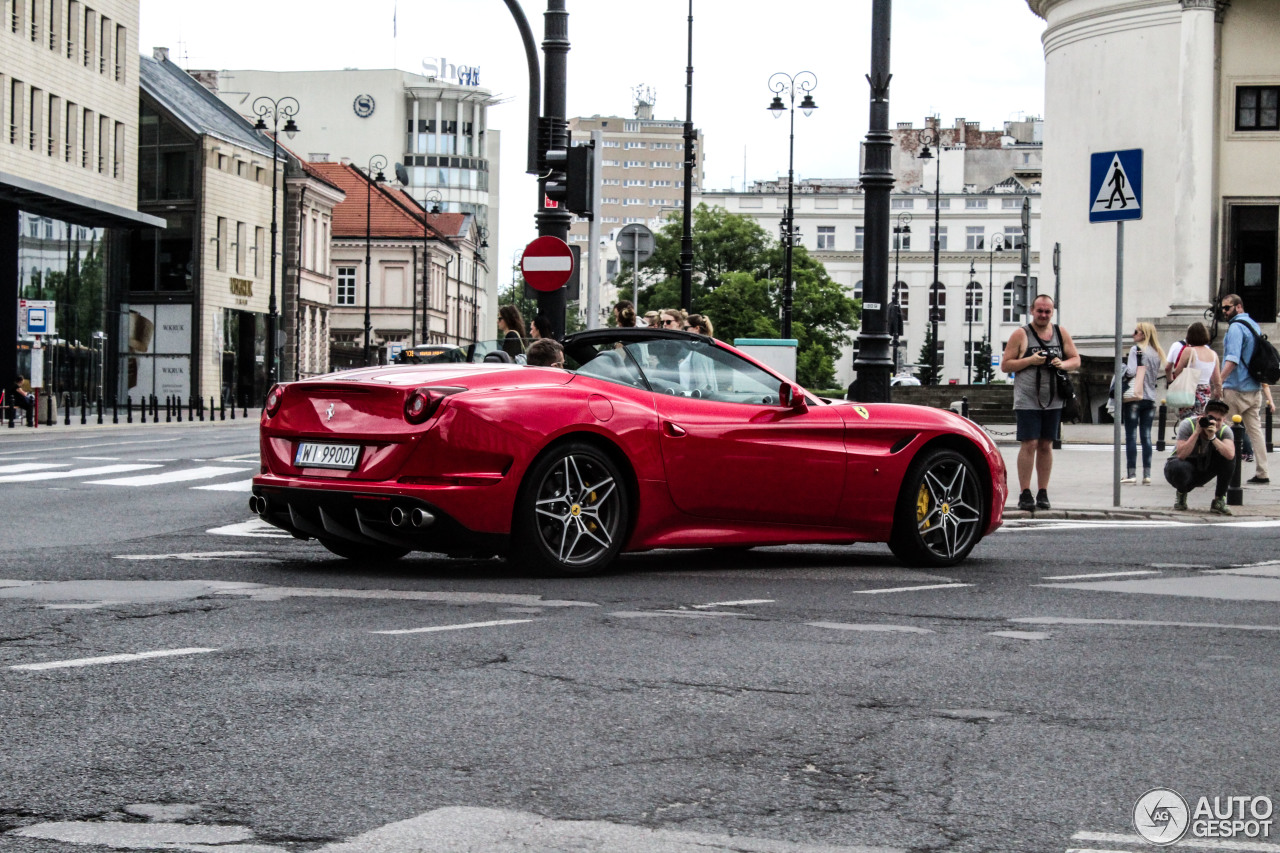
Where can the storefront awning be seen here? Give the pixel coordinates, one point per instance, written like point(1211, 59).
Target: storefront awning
point(45, 200)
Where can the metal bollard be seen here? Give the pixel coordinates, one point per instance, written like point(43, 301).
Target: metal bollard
point(233, 408)
point(168, 409)
point(1235, 494)
point(1270, 447)
point(115, 410)
point(128, 407)
point(200, 408)
point(177, 407)
point(1164, 414)
point(13, 413)
point(142, 410)
point(66, 409)
point(222, 410)
point(191, 410)
point(964, 407)
point(83, 419)
point(155, 408)
point(99, 411)
point(245, 413)
point(211, 410)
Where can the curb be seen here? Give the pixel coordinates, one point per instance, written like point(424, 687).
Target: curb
point(1085, 514)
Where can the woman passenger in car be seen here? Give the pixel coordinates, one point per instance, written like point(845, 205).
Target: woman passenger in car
point(540, 328)
point(512, 324)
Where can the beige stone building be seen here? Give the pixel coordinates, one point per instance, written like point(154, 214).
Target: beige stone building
point(308, 284)
point(68, 143)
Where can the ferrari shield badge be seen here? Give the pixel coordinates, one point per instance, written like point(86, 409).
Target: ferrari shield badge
point(862, 411)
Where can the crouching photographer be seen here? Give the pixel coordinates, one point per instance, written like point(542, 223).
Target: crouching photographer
point(1205, 451)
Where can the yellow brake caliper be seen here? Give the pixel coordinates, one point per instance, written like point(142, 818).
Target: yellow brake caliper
point(922, 506)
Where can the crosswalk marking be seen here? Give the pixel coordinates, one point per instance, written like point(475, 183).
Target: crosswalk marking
point(74, 472)
point(233, 486)
point(31, 466)
point(77, 662)
point(179, 476)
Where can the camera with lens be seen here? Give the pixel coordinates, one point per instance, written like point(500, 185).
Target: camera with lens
point(1205, 422)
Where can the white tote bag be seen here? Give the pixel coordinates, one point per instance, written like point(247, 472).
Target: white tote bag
point(1182, 391)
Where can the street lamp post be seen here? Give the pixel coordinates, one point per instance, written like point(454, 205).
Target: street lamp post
point(969, 308)
point(927, 137)
point(997, 245)
point(377, 161)
point(806, 82)
point(263, 107)
point(430, 204)
point(477, 259)
point(902, 229)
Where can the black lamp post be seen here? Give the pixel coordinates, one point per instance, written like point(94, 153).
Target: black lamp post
point(263, 107)
point(806, 82)
point(477, 259)
point(377, 161)
point(430, 204)
point(971, 305)
point(902, 229)
point(927, 137)
point(997, 245)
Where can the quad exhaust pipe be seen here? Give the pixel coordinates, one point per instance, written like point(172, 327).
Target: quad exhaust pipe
point(416, 517)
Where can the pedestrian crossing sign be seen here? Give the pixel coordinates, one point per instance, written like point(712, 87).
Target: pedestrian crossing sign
point(1115, 186)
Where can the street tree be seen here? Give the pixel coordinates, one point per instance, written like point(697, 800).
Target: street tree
point(924, 372)
point(983, 372)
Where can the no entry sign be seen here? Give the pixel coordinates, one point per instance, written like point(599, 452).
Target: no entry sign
point(547, 264)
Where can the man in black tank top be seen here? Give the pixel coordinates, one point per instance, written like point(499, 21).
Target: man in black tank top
point(1033, 355)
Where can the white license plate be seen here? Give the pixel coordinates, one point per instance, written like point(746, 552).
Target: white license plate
point(344, 456)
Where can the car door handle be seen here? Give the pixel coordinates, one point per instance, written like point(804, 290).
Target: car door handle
point(673, 430)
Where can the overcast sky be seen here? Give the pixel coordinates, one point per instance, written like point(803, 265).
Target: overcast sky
point(977, 59)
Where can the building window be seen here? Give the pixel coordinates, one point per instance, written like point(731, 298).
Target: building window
point(1258, 108)
point(220, 255)
point(633, 164)
point(241, 238)
point(941, 236)
point(1013, 237)
point(943, 203)
point(973, 303)
point(346, 285)
point(938, 303)
point(257, 252)
point(827, 237)
point(971, 352)
point(1011, 203)
point(974, 239)
point(975, 204)
point(1007, 314)
point(903, 295)
point(902, 204)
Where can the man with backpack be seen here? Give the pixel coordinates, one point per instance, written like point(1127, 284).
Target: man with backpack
point(1242, 390)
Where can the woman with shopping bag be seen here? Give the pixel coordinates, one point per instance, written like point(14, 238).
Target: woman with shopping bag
point(1199, 362)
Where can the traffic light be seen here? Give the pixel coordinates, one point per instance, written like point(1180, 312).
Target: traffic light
point(572, 181)
point(1024, 291)
point(895, 319)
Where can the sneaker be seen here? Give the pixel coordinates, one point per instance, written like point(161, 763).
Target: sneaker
point(1180, 501)
point(1025, 501)
point(1219, 506)
point(1146, 481)
point(1042, 500)
point(1247, 457)
point(1259, 481)
point(1129, 481)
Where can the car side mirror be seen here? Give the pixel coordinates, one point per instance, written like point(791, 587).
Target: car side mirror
point(792, 397)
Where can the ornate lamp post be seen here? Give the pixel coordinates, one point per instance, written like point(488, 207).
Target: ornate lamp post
point(806, 82)
point(970, 306)
point(476, 261)
point(927, 137)
point(377, 161)
point(263, 107)
point(997, 245)
point(430, 204)
point(902, 229)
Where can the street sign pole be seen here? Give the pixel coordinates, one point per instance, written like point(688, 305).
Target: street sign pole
point(1118, 392)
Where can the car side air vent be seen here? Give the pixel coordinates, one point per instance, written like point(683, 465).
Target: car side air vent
point(902, 442)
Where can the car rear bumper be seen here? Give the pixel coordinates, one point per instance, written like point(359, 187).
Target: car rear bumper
point(370, 518)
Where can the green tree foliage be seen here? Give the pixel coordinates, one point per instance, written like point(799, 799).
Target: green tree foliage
point(982, 371)
point(925, 370)
point(737, 281)
point(514, 294)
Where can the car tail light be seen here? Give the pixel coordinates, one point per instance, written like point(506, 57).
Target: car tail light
point(421, 404)
point(273, 400)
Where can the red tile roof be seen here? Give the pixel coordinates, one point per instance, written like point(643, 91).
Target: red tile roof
point(391, 213)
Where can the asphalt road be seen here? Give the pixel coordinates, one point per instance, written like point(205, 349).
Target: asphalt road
point(794, 699)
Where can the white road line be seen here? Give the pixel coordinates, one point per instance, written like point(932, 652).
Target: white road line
point(456, 627)
point(1094, 850)
point(1249, 571)
point(31, 466)
point(98, 458)
point(1094, 525)
point(1201, 843)
point(179, 476)
point(1262, 522)
point(1099, 575)
point(74, 472)
point(62, 664)
point(871, 627)
point(909, 588)
point(742, 603)
point(234, 486)
point(254, 527)
point(1059, 620)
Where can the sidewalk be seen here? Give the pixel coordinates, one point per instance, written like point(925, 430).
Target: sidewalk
point(1081, 484)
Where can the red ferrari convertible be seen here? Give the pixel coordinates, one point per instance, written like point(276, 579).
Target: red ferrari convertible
point(648, 439)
